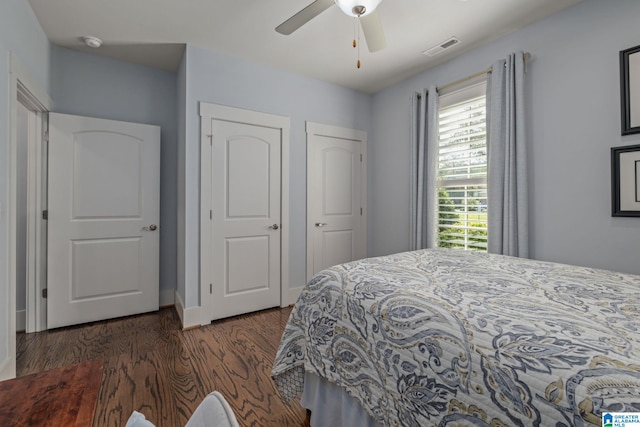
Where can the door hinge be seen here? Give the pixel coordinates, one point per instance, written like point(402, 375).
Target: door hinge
point(360, 211)
point(45, 137)
point(210, 288)
point(210, 213)
point(360, 157)
point(210, 139)
point(45, 214)
point(44, 293)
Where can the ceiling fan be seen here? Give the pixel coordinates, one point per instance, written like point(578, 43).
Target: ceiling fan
point(364, 10)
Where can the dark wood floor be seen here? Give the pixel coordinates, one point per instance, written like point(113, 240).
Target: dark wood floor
point(151, 366)
point(64, 396)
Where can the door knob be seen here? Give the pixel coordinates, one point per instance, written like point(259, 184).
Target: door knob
point(274, 226)
point(152, 227)
point(320, 224)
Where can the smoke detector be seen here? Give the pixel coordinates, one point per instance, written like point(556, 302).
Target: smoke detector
point(92, 41)
point(442, 46)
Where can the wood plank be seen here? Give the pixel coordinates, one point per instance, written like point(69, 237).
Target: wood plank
point(235, 357)
point(65, 397)
point(151, 366)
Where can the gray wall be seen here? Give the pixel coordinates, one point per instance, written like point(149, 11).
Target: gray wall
point(226, 80)
point(20, 33)
point(88, 85)
point(182, 116)
point(573, 121)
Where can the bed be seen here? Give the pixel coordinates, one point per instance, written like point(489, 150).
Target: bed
point(444, 337)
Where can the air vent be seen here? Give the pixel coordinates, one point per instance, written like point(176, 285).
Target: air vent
point(442, 46)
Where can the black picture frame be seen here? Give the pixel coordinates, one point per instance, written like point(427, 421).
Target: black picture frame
point(625, 181)
point(630, 90)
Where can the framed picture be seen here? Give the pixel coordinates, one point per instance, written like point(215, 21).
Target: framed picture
point(630, 90)
point(625, 181)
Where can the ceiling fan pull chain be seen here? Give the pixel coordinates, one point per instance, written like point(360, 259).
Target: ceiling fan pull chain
point(357, 23)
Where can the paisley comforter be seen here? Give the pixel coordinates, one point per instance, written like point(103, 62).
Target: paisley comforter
point(446, 337)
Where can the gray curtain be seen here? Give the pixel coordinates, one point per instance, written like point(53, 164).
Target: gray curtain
point(507, 178)
point(424, 140)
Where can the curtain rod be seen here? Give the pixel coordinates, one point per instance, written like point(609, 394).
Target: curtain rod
point(457, 82)
point(527, 56)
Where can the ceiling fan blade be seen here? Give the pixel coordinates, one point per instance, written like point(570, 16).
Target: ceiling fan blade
point(373, 32)
point(304, 16)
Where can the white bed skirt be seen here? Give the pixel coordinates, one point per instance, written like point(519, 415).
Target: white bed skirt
point(331, 406)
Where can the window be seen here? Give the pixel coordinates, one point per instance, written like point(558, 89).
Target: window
point(462, 169)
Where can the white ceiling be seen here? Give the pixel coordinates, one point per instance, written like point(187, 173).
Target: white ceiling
point(153, 32)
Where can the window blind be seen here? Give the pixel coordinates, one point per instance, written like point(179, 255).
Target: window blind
point(462, 175)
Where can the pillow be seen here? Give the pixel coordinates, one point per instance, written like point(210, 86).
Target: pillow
point(213, 411)
point(138, 420)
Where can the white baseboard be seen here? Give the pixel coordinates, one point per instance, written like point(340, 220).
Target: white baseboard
point(189, 317)
point(21, 320)
point(7, 370)
point(193, 316)
point(167, 297)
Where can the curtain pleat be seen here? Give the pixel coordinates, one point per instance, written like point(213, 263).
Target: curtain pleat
point(424, 137)
point(431, 192)
point(507, 190)
point(416, 113)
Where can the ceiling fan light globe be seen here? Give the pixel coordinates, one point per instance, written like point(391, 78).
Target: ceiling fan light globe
point(350, 6)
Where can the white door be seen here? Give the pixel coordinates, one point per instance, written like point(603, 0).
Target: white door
point(103, 209)
point(335, 197)
point(246, 217)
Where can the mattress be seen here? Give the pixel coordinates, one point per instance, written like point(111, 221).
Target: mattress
point(447, 337)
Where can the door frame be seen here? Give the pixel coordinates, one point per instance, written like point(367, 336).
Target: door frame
point(209, 112)
point(315, 130)
point(22, 86)
point(35, 319)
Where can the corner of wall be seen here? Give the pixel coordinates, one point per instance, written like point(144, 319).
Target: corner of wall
point(189, 317)
point(167, 297)
point(7, 370)
point(292, 296)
